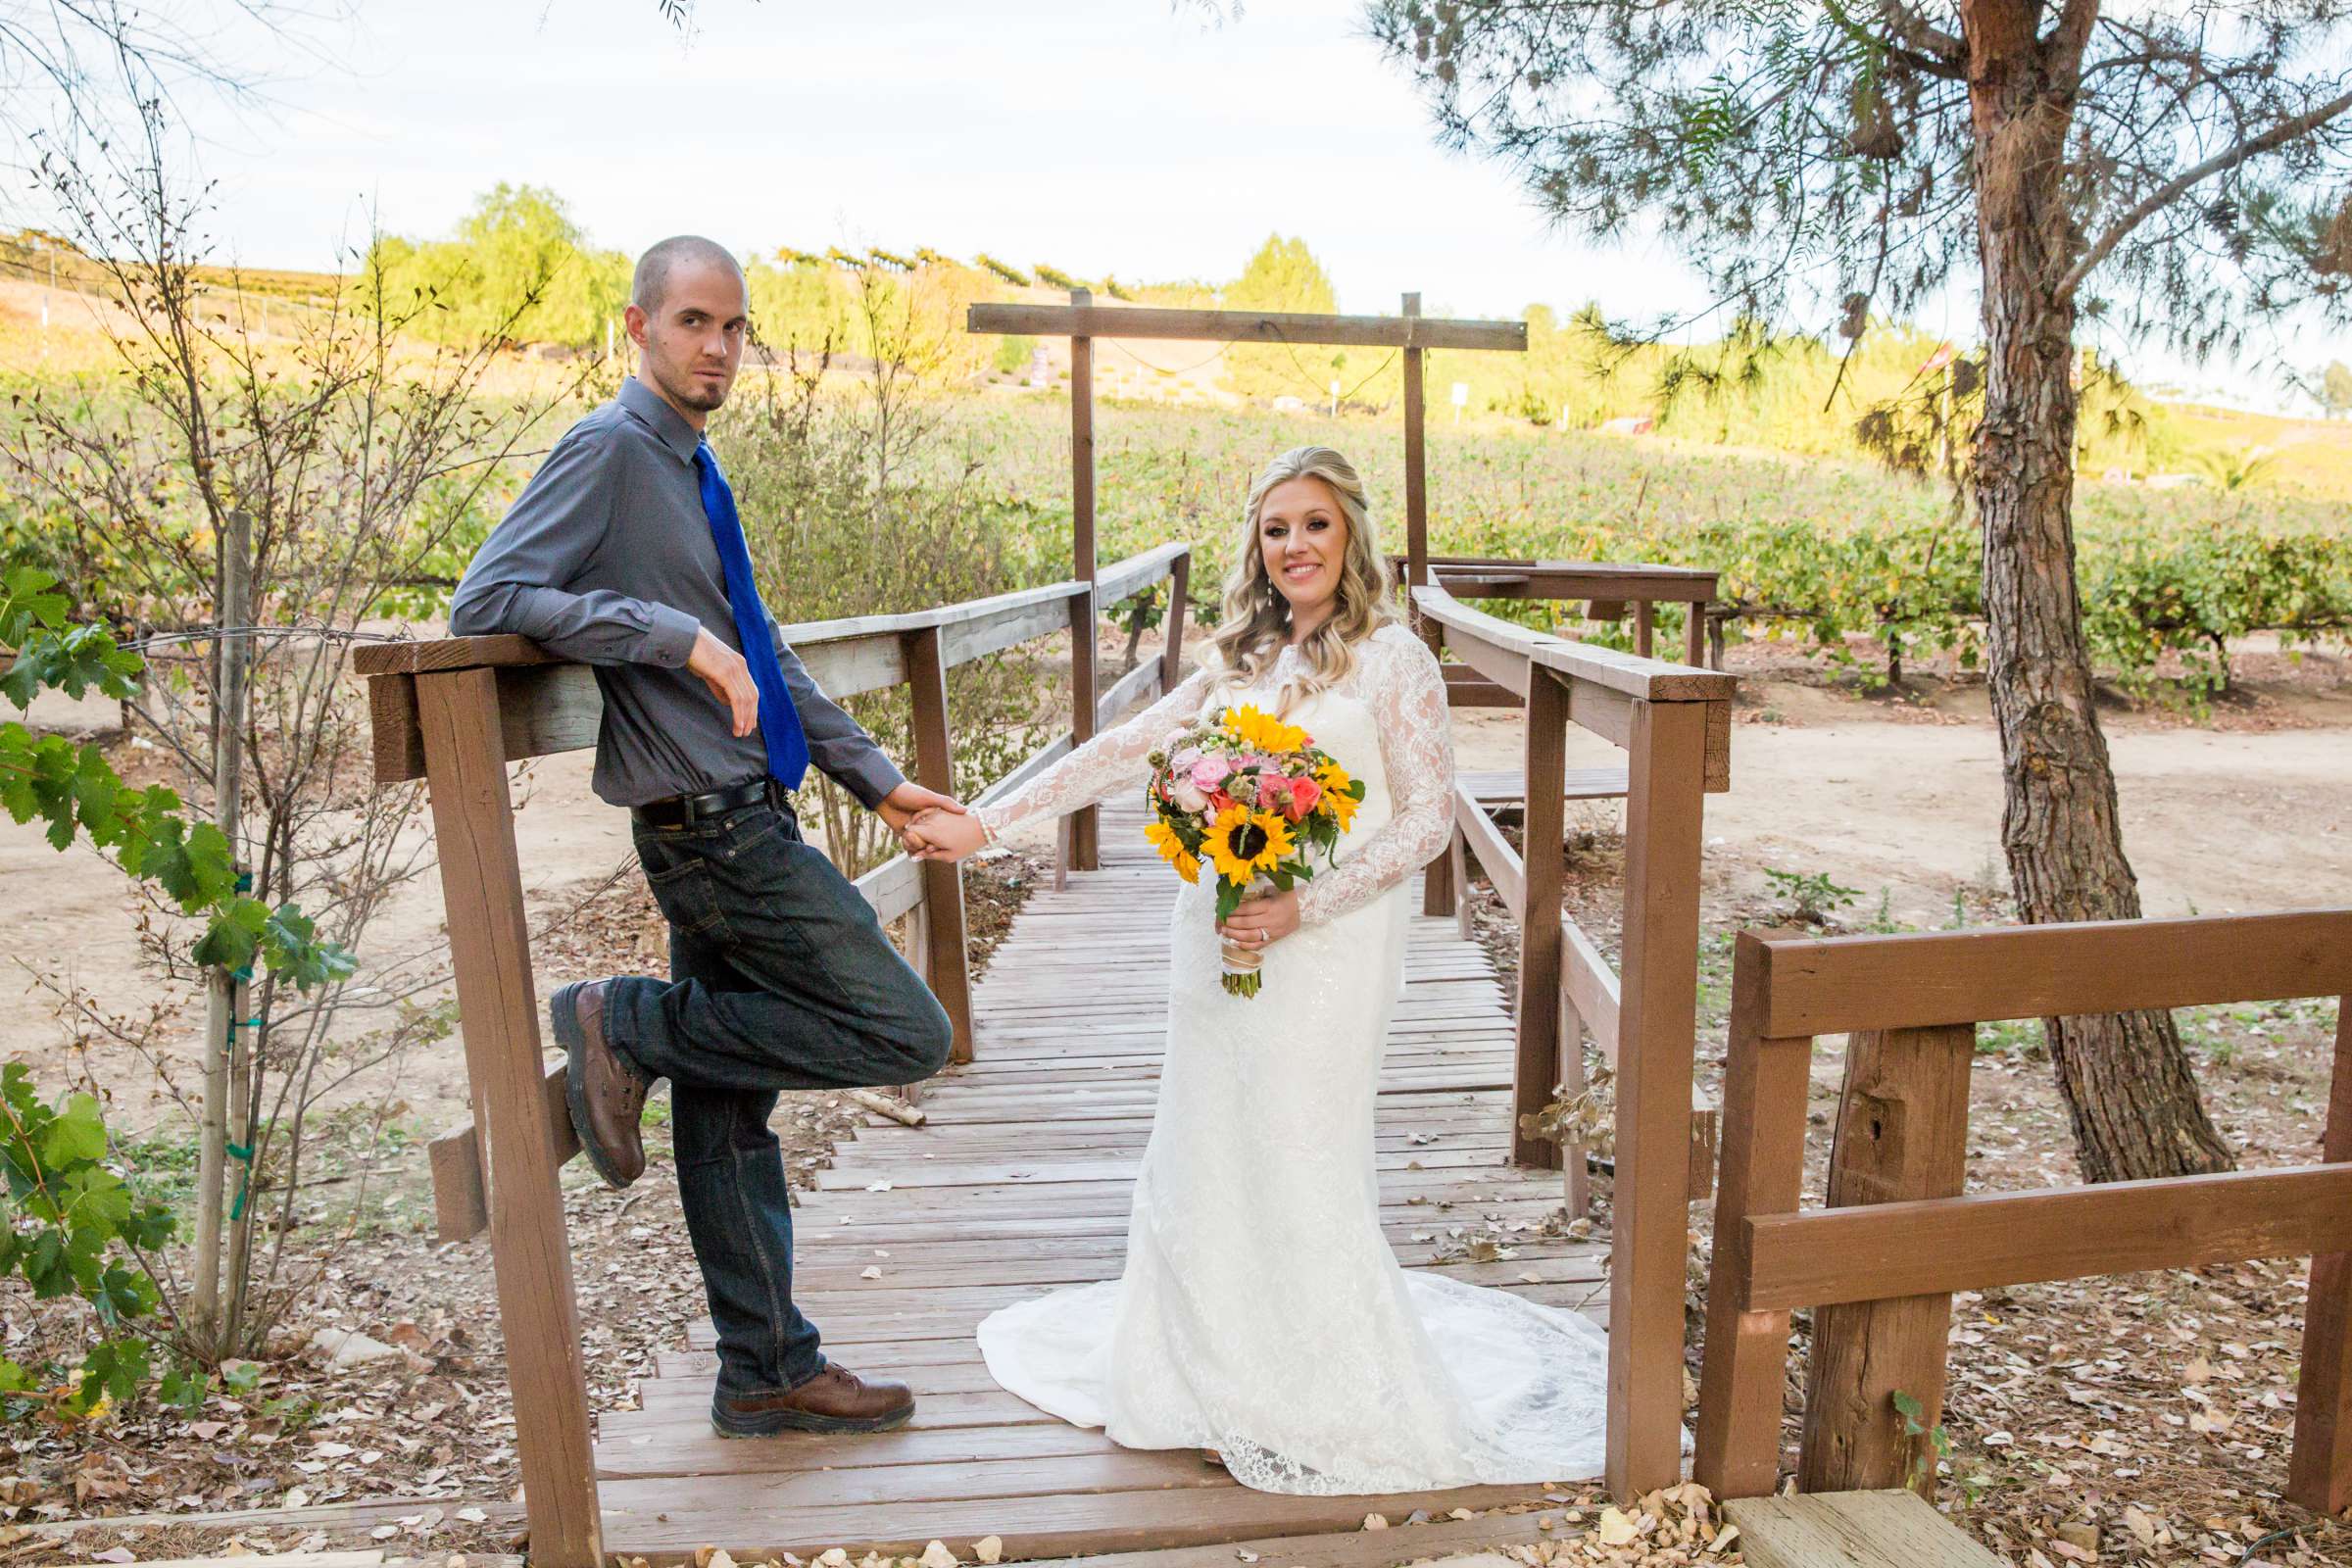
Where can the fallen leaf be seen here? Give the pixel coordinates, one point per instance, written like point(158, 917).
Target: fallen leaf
point(988, 1549)
point(1615, 1528)
point(870, 1272)
point(1374, 1521)
point(879, 1187)
point(937, 1555)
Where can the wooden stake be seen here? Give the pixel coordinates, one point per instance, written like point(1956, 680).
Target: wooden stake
point(1902, 1132)
point(221, 986)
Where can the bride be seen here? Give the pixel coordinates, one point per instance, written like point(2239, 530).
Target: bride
point(1261, 1315)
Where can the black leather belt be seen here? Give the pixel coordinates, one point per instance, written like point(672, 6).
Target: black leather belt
point(685, 811)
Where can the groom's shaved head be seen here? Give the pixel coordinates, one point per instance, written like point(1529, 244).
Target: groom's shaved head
point(652, 280)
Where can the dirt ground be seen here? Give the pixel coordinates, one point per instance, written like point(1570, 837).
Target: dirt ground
point(2143, 1416)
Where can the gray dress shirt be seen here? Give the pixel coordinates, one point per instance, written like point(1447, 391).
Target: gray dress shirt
point(606, 557)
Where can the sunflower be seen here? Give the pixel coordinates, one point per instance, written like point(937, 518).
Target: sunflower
point(1170, 845)
point(1243, 842)
point(1262, 731)
point(1336, 799)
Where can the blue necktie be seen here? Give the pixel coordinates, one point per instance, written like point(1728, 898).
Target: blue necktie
point(779, 721)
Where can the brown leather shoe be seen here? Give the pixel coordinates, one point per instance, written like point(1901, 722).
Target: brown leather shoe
point(836, 1399)
point(605, 1095)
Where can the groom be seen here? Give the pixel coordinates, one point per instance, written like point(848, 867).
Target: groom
point(624, 552)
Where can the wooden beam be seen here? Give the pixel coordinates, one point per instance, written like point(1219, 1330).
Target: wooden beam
point(1495, 856)
point(1988, 1239)
point(1902, 1133)
point(1656, 1049)
point(1836, 984)
point(1138, 683)
point(1741, 1381)
point(547, 705)
point(1080, 319)
point(461, 1198)
point(1138, 572)
point(1592, 989)
point(1467, 688)
point(2320, 1474)
point(481, 888)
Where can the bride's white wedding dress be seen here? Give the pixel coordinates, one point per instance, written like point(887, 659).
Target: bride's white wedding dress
point(1261, 1312)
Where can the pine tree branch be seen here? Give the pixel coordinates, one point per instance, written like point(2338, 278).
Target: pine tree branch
point(2173, 189)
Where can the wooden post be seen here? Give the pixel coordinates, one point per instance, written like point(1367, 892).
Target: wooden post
point(1657, 1030)
point(1536, 1067)
point(2319, 1475)
point(1694, 636)
point(1084, 850)
point(482, 891)
point(1646, 627)
point(1180, 588)
point(221, 1014)
point(941, 912)
point(1902, 1133)
point(1762, 1171)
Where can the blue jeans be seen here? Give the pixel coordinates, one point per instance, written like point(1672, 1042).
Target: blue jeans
point(780, 978)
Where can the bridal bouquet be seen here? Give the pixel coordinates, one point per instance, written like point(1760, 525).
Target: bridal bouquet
point(1254, 797)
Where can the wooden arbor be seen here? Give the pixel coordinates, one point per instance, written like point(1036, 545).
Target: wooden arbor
point(1879, 1264)
point(1082, 321)
point(455, 712)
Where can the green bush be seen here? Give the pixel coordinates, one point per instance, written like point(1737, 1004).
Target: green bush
point(71, 1227)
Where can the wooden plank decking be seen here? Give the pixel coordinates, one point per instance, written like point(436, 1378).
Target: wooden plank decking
point(1020, 1181)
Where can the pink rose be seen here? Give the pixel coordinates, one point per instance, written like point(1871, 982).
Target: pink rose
point(1210, 771)
point(1185, 758)
point(1189, 796)
point(1304, 793)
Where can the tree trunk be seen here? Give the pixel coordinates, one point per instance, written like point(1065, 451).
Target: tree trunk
point(2126, 1078)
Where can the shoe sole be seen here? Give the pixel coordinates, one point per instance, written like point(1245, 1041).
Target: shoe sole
point(563, 1013)
point(783, 1421)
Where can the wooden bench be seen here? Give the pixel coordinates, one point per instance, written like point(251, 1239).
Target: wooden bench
point(1878, 1266)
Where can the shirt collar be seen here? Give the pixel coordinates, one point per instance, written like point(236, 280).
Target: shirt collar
point(669, 426)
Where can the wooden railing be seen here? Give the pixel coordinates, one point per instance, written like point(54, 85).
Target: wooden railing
point(455, 712)
point(1880, 1265)
point(1608, 590)
point(1673, 721)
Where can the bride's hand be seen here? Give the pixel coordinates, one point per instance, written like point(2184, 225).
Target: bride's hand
point(1263, 922)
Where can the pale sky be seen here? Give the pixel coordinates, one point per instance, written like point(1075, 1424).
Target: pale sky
point(1102, 136)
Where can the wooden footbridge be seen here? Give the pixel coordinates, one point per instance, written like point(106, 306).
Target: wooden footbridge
point(1019, 1178)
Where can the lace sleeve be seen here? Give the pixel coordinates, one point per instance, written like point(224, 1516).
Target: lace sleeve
point(1407, 697)
point(1112, 760)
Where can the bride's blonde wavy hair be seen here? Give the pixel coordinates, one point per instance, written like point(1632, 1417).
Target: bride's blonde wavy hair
point(1257, 619)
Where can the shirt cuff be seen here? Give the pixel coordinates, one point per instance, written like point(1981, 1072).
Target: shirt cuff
point(670, 638)
point(870, 778)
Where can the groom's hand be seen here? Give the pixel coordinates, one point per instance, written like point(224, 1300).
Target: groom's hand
point(730, 679)
point(901, 806)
